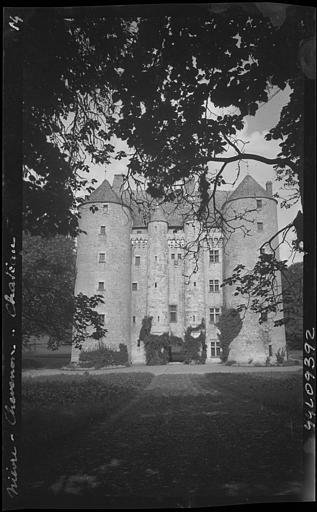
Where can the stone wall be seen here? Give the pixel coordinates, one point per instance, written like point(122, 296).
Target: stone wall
point(114, 271)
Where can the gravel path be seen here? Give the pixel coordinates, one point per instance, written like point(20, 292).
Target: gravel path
point(179, 444)
point(171, 368)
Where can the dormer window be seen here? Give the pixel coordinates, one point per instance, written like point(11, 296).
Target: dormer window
point(105, 208)
point(102, 230)
point(260, 226)
point(259, 204)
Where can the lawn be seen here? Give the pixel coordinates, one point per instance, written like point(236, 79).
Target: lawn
point(56, 406)
point(188, 441)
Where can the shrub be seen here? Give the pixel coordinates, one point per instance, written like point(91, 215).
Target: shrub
point(280, 355)
point(156, 349)
point(195, 348)
point(104, 356)
point(229, 325)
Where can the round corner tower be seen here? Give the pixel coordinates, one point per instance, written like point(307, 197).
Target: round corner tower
point(251, 212)
point(157, 279)
point(103, 264)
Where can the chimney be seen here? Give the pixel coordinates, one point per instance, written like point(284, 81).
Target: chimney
point(117, 183)
point(269, 188)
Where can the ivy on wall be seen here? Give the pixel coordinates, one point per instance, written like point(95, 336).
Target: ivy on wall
point(229, 325)
point(195, 347)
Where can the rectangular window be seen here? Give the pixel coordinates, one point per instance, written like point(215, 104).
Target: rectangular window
point(105, 208)
point(214, 315)
point(101, 286)
point(214, 256)
point(102, 230)
point(173, 313)
point(137, 261)
point(134, 287)
point(179, 256)
point(214, 285)
point(155, 284)
point(259, 204)
point(173, 256)
point(260, 226)
point(102, 257)
point(194, 283)
point(155, 258)
point(133, 319)
point(215, 348)
point(102, 319)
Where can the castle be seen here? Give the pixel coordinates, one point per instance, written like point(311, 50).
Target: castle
point(141, 266)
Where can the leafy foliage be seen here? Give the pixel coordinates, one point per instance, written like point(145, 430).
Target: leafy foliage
point(195, 348)
point(152, 82)
point(229, 325)
point(292, 281)
point(157, 349)
point(104, 356)
point(259, 287)
point(48, 302)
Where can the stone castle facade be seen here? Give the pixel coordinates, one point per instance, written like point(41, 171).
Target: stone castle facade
point(142, 267)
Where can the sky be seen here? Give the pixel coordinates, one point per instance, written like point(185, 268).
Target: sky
point(254, 131)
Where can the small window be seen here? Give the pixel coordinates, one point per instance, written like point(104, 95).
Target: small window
point(214, 285)
point(133, 319)
point(101, 285)
point(194, 283)
point(155, 258)
point(194, 318)
point(214, 256)
point(137, 261)
point(173, 256)
point(134, 287)
point(179, 256)
point(214, 315)
point(102, 319)
point(105, 208)
point(158, 318)
point(173, 313)
point(260, 226)
point(215, 348)
point(259, 204)
point(102, 257)
point(155, 284)
point(102, 230)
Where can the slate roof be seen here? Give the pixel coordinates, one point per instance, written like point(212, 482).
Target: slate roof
point(158, 215)
point(104, 194)
point(144, 208)
point(248, 188)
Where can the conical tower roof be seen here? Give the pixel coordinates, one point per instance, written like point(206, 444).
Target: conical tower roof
point(158, 215)
point(104, 194)
point(248, 188)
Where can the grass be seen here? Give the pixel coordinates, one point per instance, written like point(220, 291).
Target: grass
point(277, 390)
point(56, 406)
